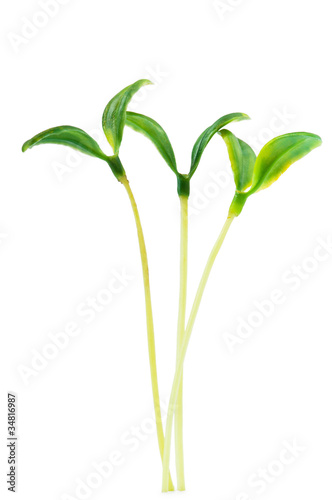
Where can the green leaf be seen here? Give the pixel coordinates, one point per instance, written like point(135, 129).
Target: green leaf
point(242, 159)
point(153, 131)
point(278, 154)
point(207, 135)
point(67, 136)
point(114, 115)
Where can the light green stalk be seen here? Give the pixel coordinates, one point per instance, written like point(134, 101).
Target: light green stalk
point(178, 424)
point(150, 327)
point(186, 339)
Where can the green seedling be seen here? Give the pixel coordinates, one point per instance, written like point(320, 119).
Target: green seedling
point(153, 131)
point(113, 121)
point(251, 174)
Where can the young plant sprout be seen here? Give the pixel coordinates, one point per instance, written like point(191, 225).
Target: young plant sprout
point(113, 121)
point(153, 131)
point(251, 174)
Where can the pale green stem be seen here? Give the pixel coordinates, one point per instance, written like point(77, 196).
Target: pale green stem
point(178, 422)
point(179, 368)
point(150, 327)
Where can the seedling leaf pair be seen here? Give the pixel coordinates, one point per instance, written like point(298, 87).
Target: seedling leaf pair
point(157, 135)
point(114, 118)
point(273, 160)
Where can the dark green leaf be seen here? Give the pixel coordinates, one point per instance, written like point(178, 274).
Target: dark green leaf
point(153, 131)
point(67, 136)
point(114, 116)
point(278, 154)
point(242, 159)
point(207, 135)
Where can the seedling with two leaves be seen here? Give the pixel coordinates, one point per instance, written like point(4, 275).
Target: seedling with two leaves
point(113, 121)
point(251, 174)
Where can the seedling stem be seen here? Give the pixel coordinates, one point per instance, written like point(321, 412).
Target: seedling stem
point(178, 422)
point(149, 323)
point(179, 369)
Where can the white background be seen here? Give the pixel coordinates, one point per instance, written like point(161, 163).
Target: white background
point(63, 236)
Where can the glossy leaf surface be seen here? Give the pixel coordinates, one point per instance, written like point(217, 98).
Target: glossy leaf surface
point(207, 135)
point(155, 133)
point(67, 136)
point(278, 154)
point(114, 116)
point(242, 159)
